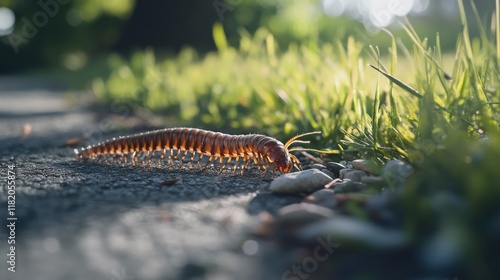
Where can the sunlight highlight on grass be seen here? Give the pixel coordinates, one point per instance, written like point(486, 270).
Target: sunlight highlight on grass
point(364, 111)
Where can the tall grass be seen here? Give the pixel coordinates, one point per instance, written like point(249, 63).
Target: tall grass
point(408, 99)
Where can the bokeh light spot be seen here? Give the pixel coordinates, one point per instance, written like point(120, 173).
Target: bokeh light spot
point(250, 247)
point(7, 20)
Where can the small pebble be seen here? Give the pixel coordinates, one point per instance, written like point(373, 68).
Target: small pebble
point(302, 213)
point(359, 198)
point(374, 181)
point(298, 182)
point(346, 230)
point(366, 165)
point(328, 172)
point(323, 197)
point(335, 167)
point(317, 166)
point(352, 174)
point(347, 164)
point(321, 194)
point(395, 172)
point(347, 186)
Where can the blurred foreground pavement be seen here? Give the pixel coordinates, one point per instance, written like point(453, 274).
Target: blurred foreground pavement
point(82, 220)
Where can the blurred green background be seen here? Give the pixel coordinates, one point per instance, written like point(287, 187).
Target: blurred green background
point(226, 64)
point(71, 35)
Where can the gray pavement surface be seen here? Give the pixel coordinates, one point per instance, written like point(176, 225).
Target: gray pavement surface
point(86, 220)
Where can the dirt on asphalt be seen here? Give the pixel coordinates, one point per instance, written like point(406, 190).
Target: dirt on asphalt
point(85, 220)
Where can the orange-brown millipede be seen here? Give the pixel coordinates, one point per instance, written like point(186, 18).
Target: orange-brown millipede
point(264, 151)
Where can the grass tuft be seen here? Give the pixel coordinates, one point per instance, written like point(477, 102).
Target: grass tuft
point(262, 87)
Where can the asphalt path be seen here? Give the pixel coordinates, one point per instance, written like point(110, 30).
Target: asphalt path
point(85, 220)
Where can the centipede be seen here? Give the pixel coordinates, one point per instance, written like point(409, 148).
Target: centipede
point(266, 152)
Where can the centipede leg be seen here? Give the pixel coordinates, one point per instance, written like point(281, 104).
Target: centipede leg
point(162, 155)
point(150, 158)
point(242, 169)
point(181, 158)
point(171, 159)
point(132, 158)
point(139, 158)
point(135, 158)
point(106, 159)
point(199, 161)
point(126, 158)
point(190, 161)
point(236, 164)
point(216, 159)
point(118, 157)
point(245, 159)
point(221, 167)
point(225, 164)
point(208, 162)
point(257, 160)
point(142, 161)
point(228, 161)
point(267, 165)
point(98, 158)
point(270, 165)
point(246, 165)
point(123, 157)
point(102, 158)
point(191, 166)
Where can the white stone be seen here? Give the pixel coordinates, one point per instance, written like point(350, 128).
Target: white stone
point(352, 174)
point(304, 181)
point(395, 172)
point(366, 165)
point(347, 230)
point(302, 213)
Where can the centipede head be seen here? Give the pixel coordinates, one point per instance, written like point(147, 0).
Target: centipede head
point(284, 164)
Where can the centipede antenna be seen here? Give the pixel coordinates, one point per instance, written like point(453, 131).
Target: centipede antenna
point(302, 141)
point(315, 150)
point(293, 139)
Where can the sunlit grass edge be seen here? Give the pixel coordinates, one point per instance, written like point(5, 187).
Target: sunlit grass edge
point(366, 101)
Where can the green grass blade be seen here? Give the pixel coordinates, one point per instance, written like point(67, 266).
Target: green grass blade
point(402, 85)
point(413, 36)
point(219, 37)
point(413, 92)
point(465, 32)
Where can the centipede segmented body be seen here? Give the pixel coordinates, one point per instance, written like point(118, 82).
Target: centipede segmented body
point(264, 151)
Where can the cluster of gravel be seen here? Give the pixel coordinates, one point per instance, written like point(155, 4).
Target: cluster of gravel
point(325, 219)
